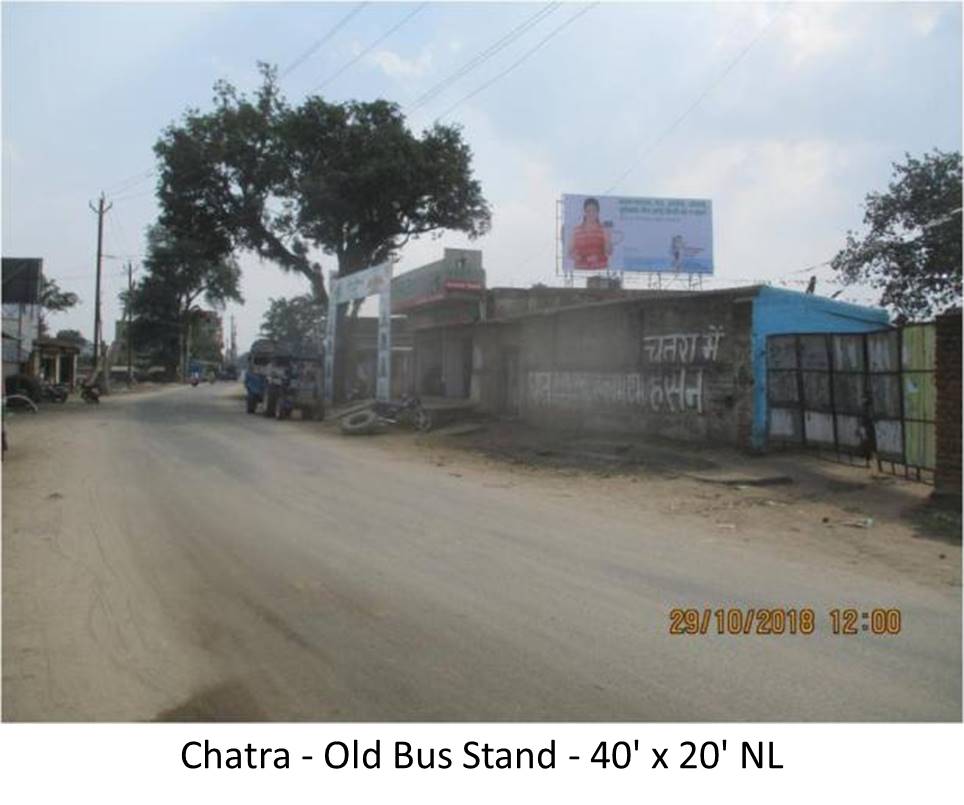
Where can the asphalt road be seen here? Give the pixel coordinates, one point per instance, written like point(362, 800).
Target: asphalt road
point(166, 556)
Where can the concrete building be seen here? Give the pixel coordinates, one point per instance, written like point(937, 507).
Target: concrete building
point(55, 360)
point(688, 365)
point(683, 364)
point(22, 280)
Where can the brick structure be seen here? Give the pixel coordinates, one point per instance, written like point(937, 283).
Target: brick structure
point(947, 477)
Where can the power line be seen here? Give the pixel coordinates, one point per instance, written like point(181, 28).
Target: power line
point(130, 196)
point(370, 48)
point(311, 51)
point(480, 58)
point(702, 96)
point(552, 34)
point(130, 182)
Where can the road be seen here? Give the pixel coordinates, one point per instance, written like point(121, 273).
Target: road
point(166, 556)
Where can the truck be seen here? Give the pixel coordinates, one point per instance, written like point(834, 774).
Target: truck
point(283, 380)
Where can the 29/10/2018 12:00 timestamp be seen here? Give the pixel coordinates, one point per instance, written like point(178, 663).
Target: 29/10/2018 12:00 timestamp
point(782, 621)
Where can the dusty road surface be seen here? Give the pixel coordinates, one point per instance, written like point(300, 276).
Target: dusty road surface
point(166, 556)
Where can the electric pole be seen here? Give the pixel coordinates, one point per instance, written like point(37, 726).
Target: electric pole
point(234, 342)
point(130, 338)
point(100, 209)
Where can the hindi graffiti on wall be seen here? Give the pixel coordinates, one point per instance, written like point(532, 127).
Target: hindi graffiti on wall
point(672, 382)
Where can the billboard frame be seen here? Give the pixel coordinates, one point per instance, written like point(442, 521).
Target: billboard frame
point(692, 280)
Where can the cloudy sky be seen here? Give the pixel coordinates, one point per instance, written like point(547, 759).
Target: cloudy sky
point(785, 115)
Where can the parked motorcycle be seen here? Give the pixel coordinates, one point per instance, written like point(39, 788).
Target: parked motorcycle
point(54, 392)
point(90, 393)
point(406, 410)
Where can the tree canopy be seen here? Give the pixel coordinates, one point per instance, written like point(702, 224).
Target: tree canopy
point(348, 179)
point(54, 300)
point(73, 336)
point(912, 249)
point(298, 321)
point(178, 273)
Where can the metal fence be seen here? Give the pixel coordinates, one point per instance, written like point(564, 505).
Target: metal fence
point(869, 396)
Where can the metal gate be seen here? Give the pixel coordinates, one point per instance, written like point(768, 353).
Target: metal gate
point(857, 395)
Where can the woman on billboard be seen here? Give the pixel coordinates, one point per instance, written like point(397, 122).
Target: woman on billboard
point(590, 244)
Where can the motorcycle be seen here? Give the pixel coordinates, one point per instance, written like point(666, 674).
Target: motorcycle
point(54, 392)
point(90, 394)
point(408, 409)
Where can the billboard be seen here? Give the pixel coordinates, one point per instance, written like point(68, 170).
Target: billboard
point(617, 233)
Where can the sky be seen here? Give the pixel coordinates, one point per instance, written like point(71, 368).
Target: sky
point(784, 115)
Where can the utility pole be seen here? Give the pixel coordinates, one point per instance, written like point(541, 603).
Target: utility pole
point(130, 337)
point(100, 209)
point(234, 342)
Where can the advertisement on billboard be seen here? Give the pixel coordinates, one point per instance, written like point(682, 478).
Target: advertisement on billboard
point(616, 233)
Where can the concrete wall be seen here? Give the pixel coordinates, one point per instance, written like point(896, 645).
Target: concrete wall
point(777, 311)
point(677, 365)
point(947, 477)
point(502, 303)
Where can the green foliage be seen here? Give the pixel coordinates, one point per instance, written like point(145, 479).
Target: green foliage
point(299, 321)
point(179, 271)
point(54, 300)
point(73, 336)
point(349, 179)
point(204, 342)
point(912, 250)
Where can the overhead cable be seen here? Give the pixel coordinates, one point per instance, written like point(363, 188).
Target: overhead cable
point(525, 56)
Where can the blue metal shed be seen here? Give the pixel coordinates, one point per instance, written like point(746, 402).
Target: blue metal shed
point(778, 311)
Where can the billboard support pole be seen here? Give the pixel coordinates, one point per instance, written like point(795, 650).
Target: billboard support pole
point(374, 281)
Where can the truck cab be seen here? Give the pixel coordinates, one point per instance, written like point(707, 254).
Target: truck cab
point(284, 380)
point(256, 373)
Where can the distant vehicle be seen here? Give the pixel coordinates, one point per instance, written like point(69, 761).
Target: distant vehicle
point(283, 380)
point(256, 373)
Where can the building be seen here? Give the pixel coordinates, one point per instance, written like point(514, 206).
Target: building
point(689, 365)
point(55, 360)
point(447, 300)
point(22, 282)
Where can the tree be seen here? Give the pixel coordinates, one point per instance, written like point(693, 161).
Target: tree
point(349, 179)
point(74, 337)
point(912, 251)
point(204, 342)
point(299, 321)
point(179, 272)
point(54, 300)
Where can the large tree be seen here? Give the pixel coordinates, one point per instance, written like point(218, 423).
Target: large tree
point(912, 249)
point(179, 272)
point(347, 179)
point(299, 321)
point(291, 183)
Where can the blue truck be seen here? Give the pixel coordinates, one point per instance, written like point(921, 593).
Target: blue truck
point(283, 381)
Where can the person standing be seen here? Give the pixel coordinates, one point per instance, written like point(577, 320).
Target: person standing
point(590, 244)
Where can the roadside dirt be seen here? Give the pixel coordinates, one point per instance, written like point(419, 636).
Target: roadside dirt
point(798, 503)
